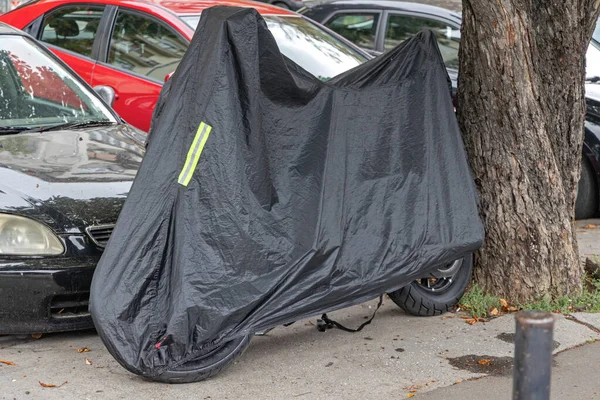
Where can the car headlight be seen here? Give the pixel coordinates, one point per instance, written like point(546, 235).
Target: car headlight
point(26, 237)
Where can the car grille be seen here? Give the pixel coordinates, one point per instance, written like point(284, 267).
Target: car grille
point(67, 306)
point(100, 234)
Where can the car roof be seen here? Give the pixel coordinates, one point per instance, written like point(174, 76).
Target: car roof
point(389, 5)
point(9, 30)
point(182, 7)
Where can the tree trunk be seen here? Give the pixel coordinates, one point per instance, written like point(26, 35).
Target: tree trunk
point(521, 110)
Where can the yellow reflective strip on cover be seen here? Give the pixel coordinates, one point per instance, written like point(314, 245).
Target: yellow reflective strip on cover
point(193, 155)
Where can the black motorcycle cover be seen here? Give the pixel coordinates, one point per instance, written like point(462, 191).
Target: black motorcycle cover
point(267, 195)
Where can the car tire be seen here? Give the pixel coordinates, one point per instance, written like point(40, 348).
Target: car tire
point(207, 365)
point(417, 299)
point(281, 4)
point(586, 205)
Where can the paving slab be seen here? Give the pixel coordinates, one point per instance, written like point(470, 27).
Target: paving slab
point(588, 318)
point(574, 377)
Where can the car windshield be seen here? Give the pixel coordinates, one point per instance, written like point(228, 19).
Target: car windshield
point(309, 46)
point(38, 92)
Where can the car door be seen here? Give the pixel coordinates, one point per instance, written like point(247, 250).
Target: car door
point(361, 27)
point(400, 27)
point(140, 51)
point(70, 32)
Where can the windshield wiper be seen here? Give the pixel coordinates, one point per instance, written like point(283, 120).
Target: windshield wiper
point(7, 130)
point(71, 125)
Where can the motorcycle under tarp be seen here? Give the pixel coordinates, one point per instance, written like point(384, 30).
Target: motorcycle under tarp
point(267, 195)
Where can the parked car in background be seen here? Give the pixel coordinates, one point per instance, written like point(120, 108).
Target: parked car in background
point(380, 25)
point(293, 5)
point(132, 47)
point(67, 162)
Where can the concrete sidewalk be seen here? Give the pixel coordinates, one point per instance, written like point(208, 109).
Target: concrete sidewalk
point(392, 356)
point(395, 356)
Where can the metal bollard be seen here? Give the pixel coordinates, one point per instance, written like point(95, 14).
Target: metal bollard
point(533, 355)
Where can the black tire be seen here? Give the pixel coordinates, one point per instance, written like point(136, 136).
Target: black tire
point(281, 4)
point(415, 299)
point(586, 205)
point(207, 365)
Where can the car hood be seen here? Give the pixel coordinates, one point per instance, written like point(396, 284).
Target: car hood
point(69, 179)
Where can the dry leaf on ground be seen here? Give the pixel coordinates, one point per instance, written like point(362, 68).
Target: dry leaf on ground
point(590, 226)
point(36, 335)
point(88, 362)
point(410, 395)
point(494, 311)
point(483, 361)
point(7, 362)
point(83, 350)
point(447, 316)
point(471, 321)
point(51, 385)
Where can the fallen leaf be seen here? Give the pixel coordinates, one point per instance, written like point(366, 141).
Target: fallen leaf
point(512, 309)
point(465, 317)
point(503, 303)
point(51, 385)
point(494, 311)
point(88, 362)
point(471, 321)
point(7, 362)
point(447, 316)
point(36, 335)
point(410, 395)
point(458, 381)
point(83, 350)
point(590, 226)
point(483, 361)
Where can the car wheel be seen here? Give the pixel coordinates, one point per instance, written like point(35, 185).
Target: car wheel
point(281, 4)
point(437, 293)
point(207, 365)
point(586, 204)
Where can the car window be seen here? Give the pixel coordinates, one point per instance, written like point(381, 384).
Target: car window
point(73, 28)
point(402, 27)
point(359, 28)
point(596, 34)
point(311, 47)
point(38, 91)
point(145, 46)
point(307, 44)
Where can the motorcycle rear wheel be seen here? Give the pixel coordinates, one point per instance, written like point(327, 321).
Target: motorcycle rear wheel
point(437, 293)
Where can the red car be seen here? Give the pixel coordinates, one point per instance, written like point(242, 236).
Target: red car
point(131, 47)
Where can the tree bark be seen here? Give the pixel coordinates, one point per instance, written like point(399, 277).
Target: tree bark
point(521, 110)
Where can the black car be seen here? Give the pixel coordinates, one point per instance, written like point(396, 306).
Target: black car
point(67, 162)
point(380, 25)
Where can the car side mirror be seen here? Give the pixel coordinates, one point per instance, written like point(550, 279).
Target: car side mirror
point(106, 93)
point(169, 75)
